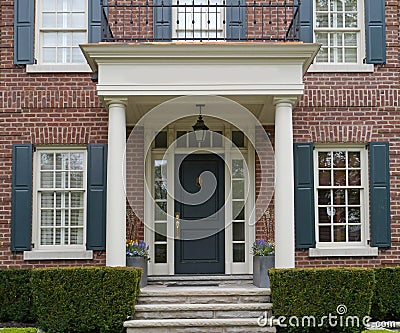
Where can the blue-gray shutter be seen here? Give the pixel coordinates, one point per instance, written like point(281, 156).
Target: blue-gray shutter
point(306, 20)
point(24, 18)
point(375, 31)
point(94, 24)
point(379, 179)
point(304, 195)
point(236, 20)
point(162, 15)
point(96, 197)
point(21, 202)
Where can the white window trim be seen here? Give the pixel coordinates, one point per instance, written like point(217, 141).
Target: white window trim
point(341, 248)
point(40, 67)
point(42, 252)
point(361, 54)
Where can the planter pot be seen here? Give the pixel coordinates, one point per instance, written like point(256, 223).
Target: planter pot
point(141, 263)
point(261, 265)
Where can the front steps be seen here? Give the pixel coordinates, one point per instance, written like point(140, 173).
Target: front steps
point(213, 305)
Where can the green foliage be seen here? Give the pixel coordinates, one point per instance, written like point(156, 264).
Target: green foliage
point(15, 296)
point(386, 301)
point(94, 299)
point(319, 292)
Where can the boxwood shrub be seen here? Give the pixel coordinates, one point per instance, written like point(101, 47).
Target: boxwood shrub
point(16, 296)
point(386, 300)
point(94, 299)
point(318, 293)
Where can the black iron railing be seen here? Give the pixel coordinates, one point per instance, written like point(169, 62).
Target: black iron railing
point(200, 20)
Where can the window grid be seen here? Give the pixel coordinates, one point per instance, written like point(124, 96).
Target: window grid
point(61, 198)
point(160, 211)
point(63, 26)
point(337, 28)
point(238, 210)
point(340, 196)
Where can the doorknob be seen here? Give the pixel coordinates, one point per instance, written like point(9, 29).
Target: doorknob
point(177, 226)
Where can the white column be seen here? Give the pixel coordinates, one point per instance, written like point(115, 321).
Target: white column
point(284, 184)
point(116, 209)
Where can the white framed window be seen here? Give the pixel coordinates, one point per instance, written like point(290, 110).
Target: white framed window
point(62, 26)
point(199, 19)
point(60, 199)
point(338, 28)
point(341, 196)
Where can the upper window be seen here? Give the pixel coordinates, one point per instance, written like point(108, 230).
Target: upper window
point(341, 204)
point(337, 26)
point(60, 196)
point(62, 26)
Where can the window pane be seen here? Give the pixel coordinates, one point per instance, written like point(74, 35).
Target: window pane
point(350, 55)
point(322, 38)
point(76, 161)
point(238, 231)
point(322, 55)
point(78, 5)
point(50, 5)
point(47, 200)
point(237, 169)
point(351, 20)
point(322, 5)
point(46, 236)
point(350, 39)
point(238, 252)
point(339, 215)
point(62, 179)
point(354, 215)
point(238, 210)
point(76, 217)
point(46, 179)
point(354, 233)
point(217, 139)
point(77, 55)
point(336, 20)
point(46, 218)
point(160, 189)
point(325, 234)
point(324, 215)
point(50, 39)
point(324, 159)
point(354, 177)
point(76, 179)
point(63, 55)
point(76, 236)
point(324, 178)
point(160, 213)
point(238, 138)
point(78, 20)
point(324, 197)
point(322, 20)
point(160, 232)
point(48, 20)
point(353, 197)
point(160, 169)
point(160, 140)
point(339, 159)
point(338, 197)
point(49, 55)
point(76, 199)
point(339, 233)
point(339, 177)
point(160, 255)
point(237, 189)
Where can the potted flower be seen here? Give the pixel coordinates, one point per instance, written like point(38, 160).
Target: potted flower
point(137, 255)
point(263, 260)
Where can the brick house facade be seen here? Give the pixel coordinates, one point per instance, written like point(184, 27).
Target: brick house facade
point(54, 108)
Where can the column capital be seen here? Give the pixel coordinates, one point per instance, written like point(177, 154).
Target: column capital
point(292, 100)
point(115, 100)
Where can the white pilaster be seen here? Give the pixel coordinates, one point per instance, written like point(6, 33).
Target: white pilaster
point(284, 184)
point(116, 209)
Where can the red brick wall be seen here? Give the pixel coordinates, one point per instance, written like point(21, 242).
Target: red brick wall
point(357, 107)
point(40, 109)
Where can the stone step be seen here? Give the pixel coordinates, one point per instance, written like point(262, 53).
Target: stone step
point(202, 280)
point(203, 295)
point(196, 326)
point(182, 311)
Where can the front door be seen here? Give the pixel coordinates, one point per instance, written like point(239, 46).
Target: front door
point(199, 214)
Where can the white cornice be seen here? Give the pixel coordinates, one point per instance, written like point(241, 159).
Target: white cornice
point(279, 53)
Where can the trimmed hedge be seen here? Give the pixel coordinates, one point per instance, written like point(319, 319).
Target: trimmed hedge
point(19, 330)
point(318, 293)
point(16, 296)
point(95, 299)
point(386, 301)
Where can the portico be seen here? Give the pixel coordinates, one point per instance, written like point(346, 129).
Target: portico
point(266, 79)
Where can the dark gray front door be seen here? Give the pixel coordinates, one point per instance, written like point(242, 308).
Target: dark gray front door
point(199, 201)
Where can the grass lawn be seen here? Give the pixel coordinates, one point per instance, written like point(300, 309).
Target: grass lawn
point(18, 330)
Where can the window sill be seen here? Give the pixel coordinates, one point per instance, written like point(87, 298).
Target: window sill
point(356, 68)
point(59, 68)
point(362, 251)
point(58, 255)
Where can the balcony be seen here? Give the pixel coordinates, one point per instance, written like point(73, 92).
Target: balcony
point(200, 21)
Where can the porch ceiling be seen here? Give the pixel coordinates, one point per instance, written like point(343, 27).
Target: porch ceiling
point(251, 74)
